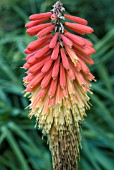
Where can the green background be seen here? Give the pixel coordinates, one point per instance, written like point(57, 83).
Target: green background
point(21, 145)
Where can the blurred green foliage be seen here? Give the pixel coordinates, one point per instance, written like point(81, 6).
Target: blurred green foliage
point(21, 146)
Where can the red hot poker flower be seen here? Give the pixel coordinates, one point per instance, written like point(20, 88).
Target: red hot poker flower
point(58, 80)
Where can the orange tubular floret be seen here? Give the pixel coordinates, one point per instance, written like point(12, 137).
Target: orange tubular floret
point(28, 78)
point(26, 66)
point(34, 30)
point(76, 19)
point(89, 77)
point(54, 40)
point(47, 65)
point(42, 51)
point(59, 95)
point(71, 74)
point(40, 16)
point(37, 43)
point(52, 88)
point(65, 92)
point(51, 102)
point(65, 61)
point(35, 23)
point(55, 69)
point(32, 60)
point(36, 67)
point(45, 31)
point(87, 42)
point(66, 40)
point(91, 49)
point(62, 76)
point(55, 52)
point(35, 81)
point(42, 93)
point(80, 77)
point(71, 54)
point(27, 51)
point(76, 39)
point(78, 66)
point(46, 79)
point(85, 58)
point(71, 87)
point(79, 28)
point(85, 69)
point(30, 55)
point(83, 50)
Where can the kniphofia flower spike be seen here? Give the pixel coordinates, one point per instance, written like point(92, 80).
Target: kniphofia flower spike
point(58, 80)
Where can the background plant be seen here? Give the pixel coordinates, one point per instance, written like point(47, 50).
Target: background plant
point(21, 146)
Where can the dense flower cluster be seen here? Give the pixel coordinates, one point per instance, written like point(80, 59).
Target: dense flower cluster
point(57, 75)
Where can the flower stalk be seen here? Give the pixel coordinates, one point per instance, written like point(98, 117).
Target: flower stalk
point(58, 80)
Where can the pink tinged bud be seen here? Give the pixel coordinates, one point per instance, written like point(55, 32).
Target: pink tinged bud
point(46, 79)
point(47, 65)
point(71, 54)
point(37, 43)
point(62, 76)
point(54, 40)
point(36, 67)
point(55, 52)
point(51, 102)
point(79, 28)
point(34, 30)
point(52, 88)
point(42, 51)
point(45, 31)
point(40, 16)
point(55, 69)
point(76, 19)
point(76, 39)
point(66, 40)
point(35, 23)
point(85, 69)
point(65, 61)
point(53, 17)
